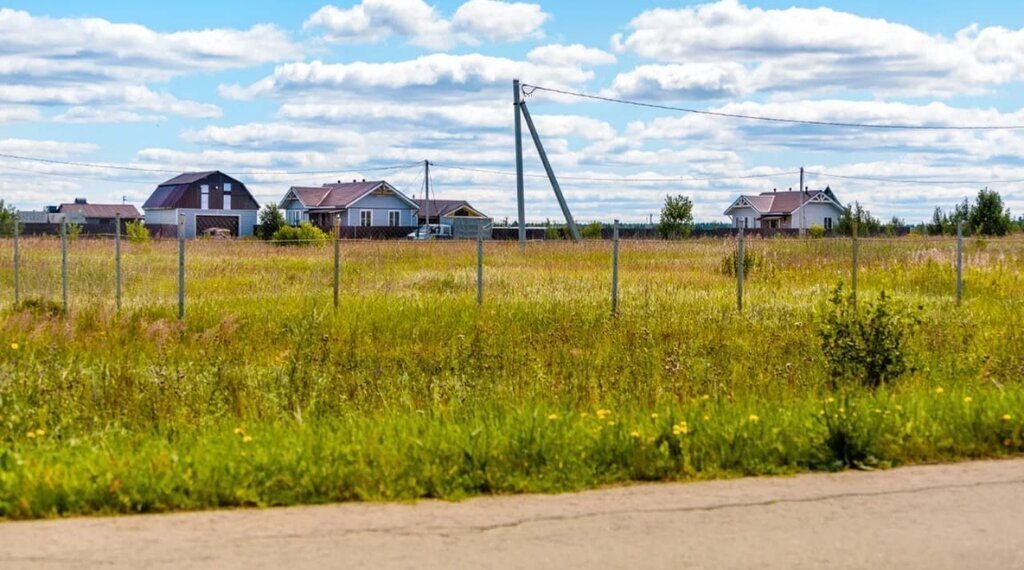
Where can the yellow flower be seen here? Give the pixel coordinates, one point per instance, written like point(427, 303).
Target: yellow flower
point(552, 417)
point(239, 431)
point(603, 413)
point(706, 418)
point(754, 419)
point(654, 416)
point(968, 399)
point(940, 390)
point(611, 422)
point(1007, 417)
point(40, 432)
point(247, 439)
point(14, 346)
point(31, 434)
point(830, 400)
point(681, 428)
point(635, 434)
point(705, 397)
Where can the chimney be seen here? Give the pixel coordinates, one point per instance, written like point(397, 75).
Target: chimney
point(81, 201)
point(790, 188)
point(353, 181)
point(339, 182)
point(364, 180)
point(774, 190)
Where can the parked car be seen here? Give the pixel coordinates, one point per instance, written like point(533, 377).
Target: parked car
point(432, 231)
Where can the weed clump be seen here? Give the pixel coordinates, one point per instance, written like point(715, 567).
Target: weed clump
point(304, 234)
point(752, 261)
point(866, 344)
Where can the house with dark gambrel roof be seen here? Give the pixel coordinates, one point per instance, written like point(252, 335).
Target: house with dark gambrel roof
point(358, 203)
point(786, 210)
point(206, 201)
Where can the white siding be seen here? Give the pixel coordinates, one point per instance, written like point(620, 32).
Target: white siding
point(814, 214)
point(738, 214)
point(161, 217)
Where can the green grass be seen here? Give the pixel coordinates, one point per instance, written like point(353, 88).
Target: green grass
point(266, 396)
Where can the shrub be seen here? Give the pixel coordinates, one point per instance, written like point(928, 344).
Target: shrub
point(751, 261)
point(136, 232)
point(74, 230)
point(867, 344)
point(271, 220)
point(591, 231)
point(305, 234)
point(816, 231)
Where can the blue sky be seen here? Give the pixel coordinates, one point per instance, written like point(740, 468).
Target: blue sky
point(275, 90)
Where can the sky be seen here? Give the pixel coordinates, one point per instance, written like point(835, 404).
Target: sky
point(307, 92)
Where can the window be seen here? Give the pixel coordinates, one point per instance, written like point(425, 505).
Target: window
point(746, 222)
point(394, 218)
point(294, 217)
point(204, 197)
point(828, 223)
point(227, 196)
point(365, 217)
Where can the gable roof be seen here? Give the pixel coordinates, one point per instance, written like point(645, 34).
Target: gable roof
point(781, 203)
point(340, 195)
point(438, 208)
point(127, 211)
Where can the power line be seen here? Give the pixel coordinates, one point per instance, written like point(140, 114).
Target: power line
point(244, 173)
point(533, 88)
point(913, 181)
point(617, 179)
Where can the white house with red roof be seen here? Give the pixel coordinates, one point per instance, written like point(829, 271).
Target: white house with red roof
point(358, 203)
point(786, 210)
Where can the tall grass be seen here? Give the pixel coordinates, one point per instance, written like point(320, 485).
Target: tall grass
point(264, 395)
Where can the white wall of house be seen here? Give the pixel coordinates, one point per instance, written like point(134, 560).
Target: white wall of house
point(246, 219)
point(815, 214)
point(745, 216)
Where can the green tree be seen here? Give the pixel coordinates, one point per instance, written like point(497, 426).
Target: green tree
point(591, 231)
point(867, 225)
point(7, 216)
point(988, 217)
point(271, 220)
point(136, 231)
point(939, 224)
point(676, 217)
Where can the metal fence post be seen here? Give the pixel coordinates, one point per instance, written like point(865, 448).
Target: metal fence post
point(741, 258)
point(959, 262)
point(480, 266)
point(181, 266)
point(615, 268)
point(17, 264)
point(117, 261)
point(64, 262)
point(855, 251)
point(337, 259)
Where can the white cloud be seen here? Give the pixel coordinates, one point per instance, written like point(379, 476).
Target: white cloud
point(437, 75)
point(16, 113)
point(681, 81)
point(109, 115)
point(373, 21)
point(45, 148)
point(559, 55)
point(496, 21)
point(799, 49)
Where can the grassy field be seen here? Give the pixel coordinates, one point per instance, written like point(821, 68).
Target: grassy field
point(265, 395)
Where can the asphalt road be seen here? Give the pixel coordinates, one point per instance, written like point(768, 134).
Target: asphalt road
point(968, 515)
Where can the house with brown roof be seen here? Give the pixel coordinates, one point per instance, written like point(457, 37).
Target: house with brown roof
point(465, 220)
point(206, 201)
point(358, 203)
point(82, 212)
point(786, 210)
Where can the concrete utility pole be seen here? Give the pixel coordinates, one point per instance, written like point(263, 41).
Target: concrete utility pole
point(520, 192)
point(573, 230)
point(426, 192)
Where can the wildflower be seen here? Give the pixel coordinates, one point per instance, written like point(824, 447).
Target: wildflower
point(611, 422)
point(681, 428)
point(754, 419)
point(31, 434)
point(14, 346)
point(635, 434)
point(968, 399)
point(830, 400)
point(821, 412)
point(247, 439)
point(552, 417)
point(603, 413)
point(705, 397)
point(239, 431)
point(1007, 417)
point(654, 416)
point(40, 432)
point(706, 418)
point(940, 390)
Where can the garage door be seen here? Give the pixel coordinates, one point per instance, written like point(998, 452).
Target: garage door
point(206, 223)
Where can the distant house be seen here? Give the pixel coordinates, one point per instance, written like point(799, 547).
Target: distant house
point(366, 203)
point(794, 210)
point(81, 211)
point(465, 220)
point(207, 201)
